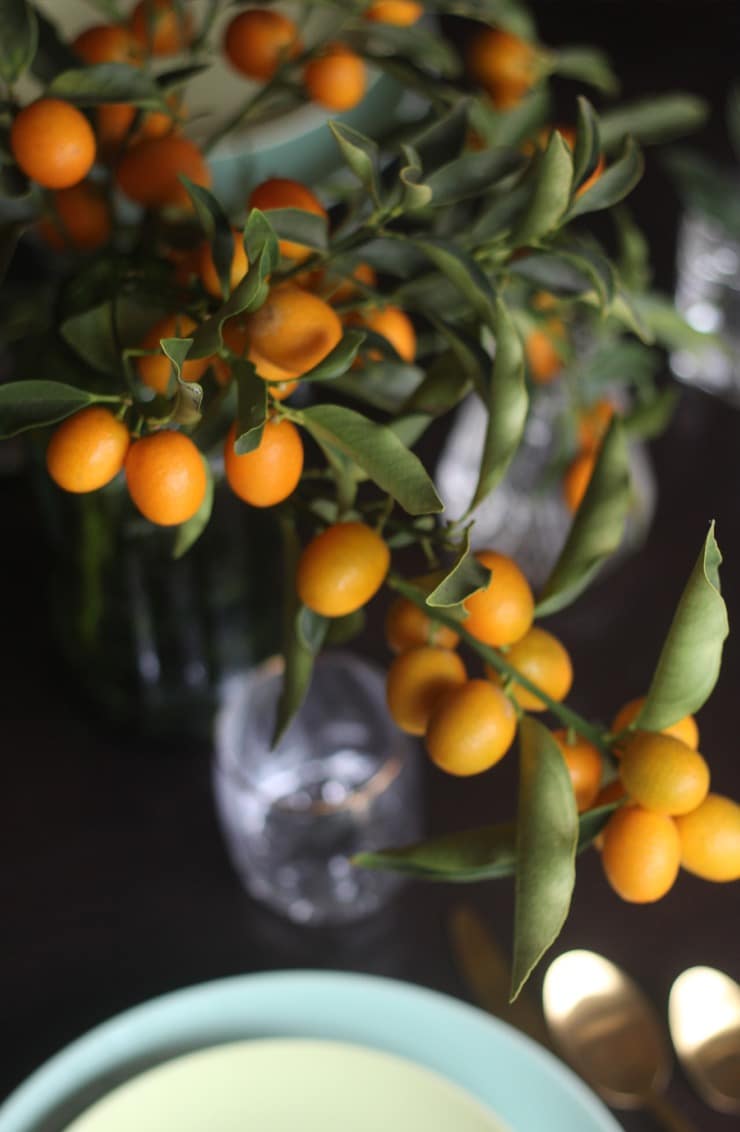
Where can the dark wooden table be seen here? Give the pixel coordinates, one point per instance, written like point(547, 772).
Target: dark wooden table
point(114, 884)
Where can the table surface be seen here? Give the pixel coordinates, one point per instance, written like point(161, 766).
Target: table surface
point(114, 883)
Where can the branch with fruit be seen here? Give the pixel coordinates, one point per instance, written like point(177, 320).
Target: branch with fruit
point(308, 342)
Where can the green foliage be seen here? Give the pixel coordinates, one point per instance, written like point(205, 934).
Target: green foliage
point(18, 36)
point(109, 82)
point(251, 413)
point(465, 577)
point(31, 404)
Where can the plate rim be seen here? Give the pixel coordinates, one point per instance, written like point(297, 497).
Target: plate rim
point(226, 1009)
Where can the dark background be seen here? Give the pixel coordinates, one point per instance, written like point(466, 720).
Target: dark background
point(114, 885)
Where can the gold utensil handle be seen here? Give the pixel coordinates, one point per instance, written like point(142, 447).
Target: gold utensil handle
point(666, 1113)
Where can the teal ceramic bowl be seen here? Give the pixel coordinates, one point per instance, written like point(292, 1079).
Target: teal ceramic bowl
point(525, 1086)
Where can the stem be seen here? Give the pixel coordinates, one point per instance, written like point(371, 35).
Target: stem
point(497, 660)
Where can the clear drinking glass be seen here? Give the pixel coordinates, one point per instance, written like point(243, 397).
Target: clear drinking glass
point(342, 779)
point(708, 296)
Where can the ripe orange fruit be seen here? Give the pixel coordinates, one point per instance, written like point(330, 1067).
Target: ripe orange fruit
point(542, 659)
point(402, 13)
point(207, 269)
point(87, 450)
point(471, 729)
point(154, 369)
point(346, 290)
point(281, 192)
point(166, 477)
point(577, 478)
point(337, 78)
point(84, 218)
point(506, 66)
point(106, 43)
point(710, 839)
point(684, 729)
point(53, 143)
point(584, 766)
point(148, 172)
point(407, 626)
point(258, 40)
point(502, 613)
point(341, 569)
point(236, 339)
point(294, 330)
point(270, 473)
point(417, 680)
point(663, 774)
point(160, 27)
point(544, 358)
point(114, 122)
point(641, 854)
point(593, 423)
point(396, 327)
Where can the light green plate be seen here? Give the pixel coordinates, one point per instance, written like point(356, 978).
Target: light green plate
point(282, 1086)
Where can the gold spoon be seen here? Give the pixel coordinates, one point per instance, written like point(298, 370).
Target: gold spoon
point(704, 1016)
point(611, 1034)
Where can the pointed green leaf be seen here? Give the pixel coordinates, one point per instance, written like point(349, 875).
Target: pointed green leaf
point(598, 526)
point(188, 533)
point(546, 841)
point(415, 193)
point(614, 184)
point(379, 452)
point(550, 177)
point(260, 240)
point(176, 349)
point(463, 271)
point(248, 295)
point(443, 140)
point(507, 406)
point(660, 118)
point(588, 143)
point(30, 404)
point(109, 82)
point(360, 154)
point(472, 175)
point(690, 659)
point(649, 419)
point(215, 224)
point(338, 360)
point(251, 412)
point(91, 335)
point(445, 385)
point(18, 38)
point(466, 577)
point(586, 65)
point(417, 45)
point(301, 227)
point(569, 273)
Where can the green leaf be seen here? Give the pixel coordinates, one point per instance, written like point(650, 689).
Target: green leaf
point(586, 65)
point(338, 360)
point(92, 336)
point(633, 261)
point(248, 295)
point(417, 45)
point(472, 174)
point(668, 326)
point(660, 118)
point(690, 659)
point(550, 177)
point(410, 428)
point(18, 38)
point(344, 629)
point(588, 143)
point(251, 412)
point(176, 349)
point(466, 577)
point(378, 451)
point(260, 240)
point(597, 528)
point(189, 532)
point(569, 273)
point(614, 184)
point(507, 406)
point(437, 143)
point(463, 271)
point(360, 154)
point(546, 841)
point(53, 55)
point(299, 226)
point(472, 855)
point(445, 385)
point(651, 418)
point(30, 404)
point(414, 193)
point(299, 655)
point(108, 82)
point(215, 224)
point(508, 14)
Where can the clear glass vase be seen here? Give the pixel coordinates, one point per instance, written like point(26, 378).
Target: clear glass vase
point(150, 638)
point(342, 779)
